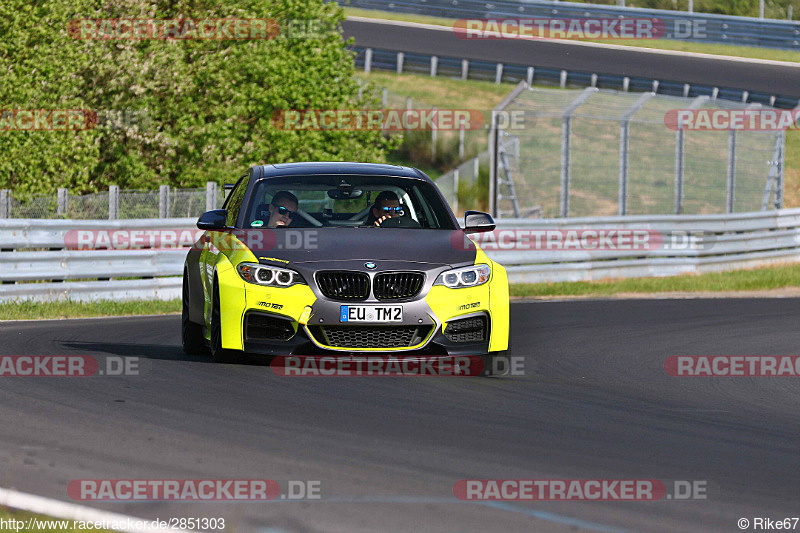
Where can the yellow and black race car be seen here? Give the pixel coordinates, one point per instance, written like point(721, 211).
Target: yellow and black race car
point(354, 258)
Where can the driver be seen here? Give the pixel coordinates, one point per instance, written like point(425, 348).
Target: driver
point(282, 209)
point(387, 205)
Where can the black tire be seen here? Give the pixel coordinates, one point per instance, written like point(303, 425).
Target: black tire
point(191, 333)
point(218, 353)
point(490, 358)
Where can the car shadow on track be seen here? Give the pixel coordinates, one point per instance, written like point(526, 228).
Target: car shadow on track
point(153, 351)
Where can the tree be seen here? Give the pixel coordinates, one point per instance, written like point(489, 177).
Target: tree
point(202, 108)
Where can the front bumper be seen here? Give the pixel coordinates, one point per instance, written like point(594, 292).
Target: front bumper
point(296, 321)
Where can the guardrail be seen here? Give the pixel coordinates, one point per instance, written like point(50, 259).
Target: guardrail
point(430, 64)
point(679, 25)
point(37, 264)
point(694, 244)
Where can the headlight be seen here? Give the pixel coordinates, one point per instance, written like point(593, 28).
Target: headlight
point(269, 276)
point(464, 277)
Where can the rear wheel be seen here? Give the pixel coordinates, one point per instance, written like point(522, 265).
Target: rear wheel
point(191, 333)
point(218, 353)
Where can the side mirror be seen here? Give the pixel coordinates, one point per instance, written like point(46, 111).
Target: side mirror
point(213, 220)
point(478, 222)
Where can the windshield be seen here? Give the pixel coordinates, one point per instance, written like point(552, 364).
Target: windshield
point(347, 202)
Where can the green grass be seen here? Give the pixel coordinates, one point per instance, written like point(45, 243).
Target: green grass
point(759, 279)
point(660, 44)
point(9, 514)
point(28, 310)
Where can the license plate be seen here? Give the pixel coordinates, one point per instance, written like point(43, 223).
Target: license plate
point(371, 313)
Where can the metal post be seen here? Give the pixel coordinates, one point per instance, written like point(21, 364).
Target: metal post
point(782, 163)
point(476, 168)
point(626, 83)
point(563, 79)
point(761, 9)
point(455, 190)
point(385, 97)
point(566, 139)
point(62, 201)
point(368, 60)
point(434, 66)
point(593, 83)
point(731, 183)
point(5, 203)
point(464, 69)
point(461, 135)
point(680, 139)
point(211, 195)
point(493, 163)
point(494, 144)
point(113, 202)
point(691, 6)
point(433, 138)
point(163, 201)
point(400, 58)
point(624, 137)
point(498, 74)
point(531, 72)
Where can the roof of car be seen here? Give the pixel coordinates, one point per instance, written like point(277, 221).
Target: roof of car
point(347, 168)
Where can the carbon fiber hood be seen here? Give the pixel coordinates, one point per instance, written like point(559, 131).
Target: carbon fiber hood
point(434, 248)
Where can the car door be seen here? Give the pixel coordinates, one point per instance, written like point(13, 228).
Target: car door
point(215, 241)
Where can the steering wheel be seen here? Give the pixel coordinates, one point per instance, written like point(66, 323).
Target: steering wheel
point(400, 222)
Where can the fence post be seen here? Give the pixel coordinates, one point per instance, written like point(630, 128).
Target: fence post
point(433, 138)
point(62, 201)
point(455, 190)
point(464, 69)
point(566, 134)
point(476, 168)
point(531, 71)
point(5, 203)
point(434, 66)
point(461, 135)
point(113, 202)
point(211, 195)
point(163, 201)
point(624, 138)
point(385, 97)
point(368, 60)
point(498, 75)
point(680, 139)
point(400, 58)
point(731, 182)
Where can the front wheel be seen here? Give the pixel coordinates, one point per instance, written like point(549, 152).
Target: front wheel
point(191, 333)
point(218, 353)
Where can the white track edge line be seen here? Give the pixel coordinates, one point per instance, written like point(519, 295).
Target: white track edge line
point(68, 511)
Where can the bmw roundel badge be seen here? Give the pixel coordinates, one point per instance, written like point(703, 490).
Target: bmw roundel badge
point(370, 265)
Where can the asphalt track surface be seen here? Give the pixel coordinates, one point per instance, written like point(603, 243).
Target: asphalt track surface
point(747, 75)
point(594, 403)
